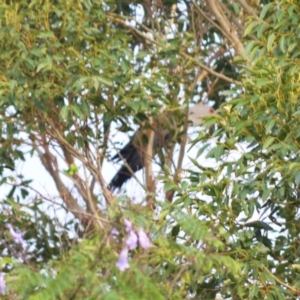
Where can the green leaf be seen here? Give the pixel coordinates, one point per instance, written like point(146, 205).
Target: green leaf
point(253, 291)
point(282, 44)
point(184, 185)
point(168, 186)
point(45, 64)
point(175, 230)
point(46, 35)
point(78, 112)
point(265, 9)
point(271, 39)
point(263, 82)
point(268, 142)
point(297, 178)
point(270, 125)
point(105, 80)
point(249, 28)
point(64, 112)
point(86, 108)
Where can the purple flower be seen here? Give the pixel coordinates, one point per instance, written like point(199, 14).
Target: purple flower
point(144, 240)
point(128, 225)
point(122, 263)
point(2, 284)
point(132, 240)
point(114, 231)
point(17, 236)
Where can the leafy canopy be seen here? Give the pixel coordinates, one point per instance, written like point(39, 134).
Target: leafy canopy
point(72, 71)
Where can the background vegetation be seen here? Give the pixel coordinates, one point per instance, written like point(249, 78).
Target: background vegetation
point(72, 73)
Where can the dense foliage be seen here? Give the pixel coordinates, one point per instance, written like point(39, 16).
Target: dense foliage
point(73, 73)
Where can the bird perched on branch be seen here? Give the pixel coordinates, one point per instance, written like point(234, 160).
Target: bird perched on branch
point(164, 128)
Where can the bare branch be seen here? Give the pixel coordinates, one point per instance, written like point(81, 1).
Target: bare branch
point(48, 161)
point(247, 8)
point(148, 167)
point(226, 27)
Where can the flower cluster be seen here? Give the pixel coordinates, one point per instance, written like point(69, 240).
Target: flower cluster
point(2, 284)
point(17, 236)
point(133, 239)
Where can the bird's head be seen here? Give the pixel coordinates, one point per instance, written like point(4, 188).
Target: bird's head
point(198, 111)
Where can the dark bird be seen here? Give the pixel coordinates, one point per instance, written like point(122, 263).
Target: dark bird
point(164, 127)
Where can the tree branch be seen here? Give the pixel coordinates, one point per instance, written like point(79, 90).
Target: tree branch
point(226, 27)
point(48, 160)
point(247, 8)
point(148, 167)
point(183, 54)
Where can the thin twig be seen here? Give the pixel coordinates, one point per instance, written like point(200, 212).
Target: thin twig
point(148, 166)
point(289, 287)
